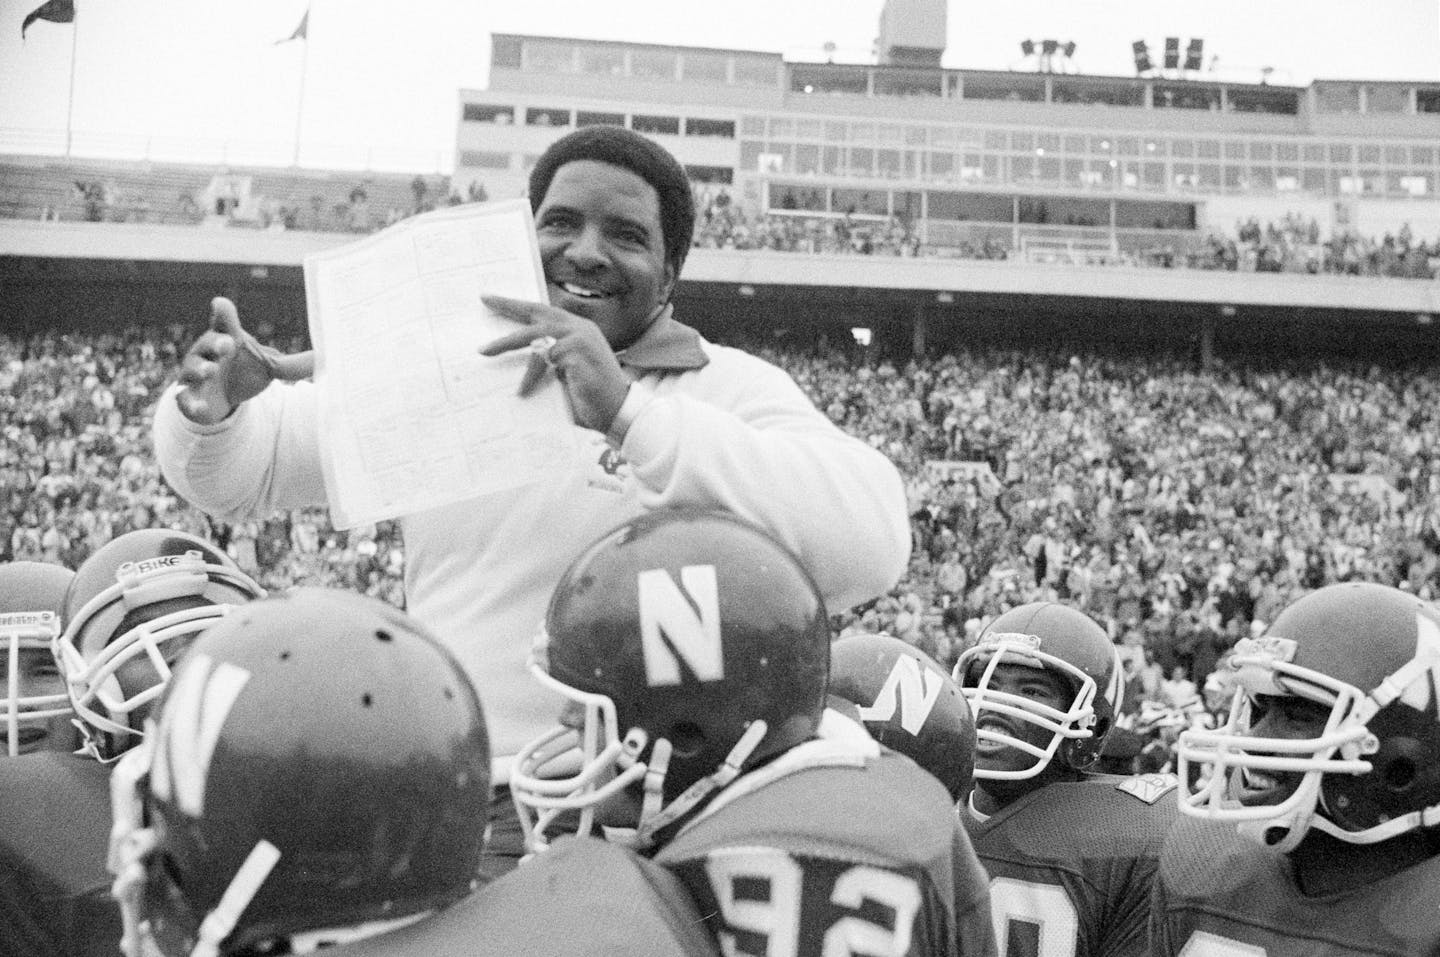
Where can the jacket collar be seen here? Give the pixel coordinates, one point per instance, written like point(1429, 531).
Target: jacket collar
point(668, 345)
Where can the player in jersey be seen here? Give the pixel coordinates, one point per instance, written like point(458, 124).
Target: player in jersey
point(33, 705)
point(1071, 854)
point(1320, 794)
point(317, 776)
point(122, 628)
point(694, 652)
point(908, 703)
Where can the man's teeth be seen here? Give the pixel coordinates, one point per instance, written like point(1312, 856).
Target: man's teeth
point(581, 291)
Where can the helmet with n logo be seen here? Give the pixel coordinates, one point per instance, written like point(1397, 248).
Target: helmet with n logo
point(697, 647)
point(1068, 644)
point(34, 707)
point(133, 607)
point(908, 703)
point(317, 770)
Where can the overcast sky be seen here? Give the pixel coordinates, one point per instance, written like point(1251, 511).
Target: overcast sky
point(381, 76)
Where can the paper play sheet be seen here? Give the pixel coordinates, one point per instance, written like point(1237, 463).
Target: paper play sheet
point(411, 416)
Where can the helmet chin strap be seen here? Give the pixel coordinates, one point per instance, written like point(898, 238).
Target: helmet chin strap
point(654, 818)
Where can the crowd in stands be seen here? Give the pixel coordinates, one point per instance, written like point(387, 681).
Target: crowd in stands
point(1294, 245)
point(1182, 509)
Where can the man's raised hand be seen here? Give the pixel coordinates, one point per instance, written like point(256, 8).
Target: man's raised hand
point(226, 366)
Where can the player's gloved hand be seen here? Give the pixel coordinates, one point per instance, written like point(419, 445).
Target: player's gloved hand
point(226, 366)
point(583, 361)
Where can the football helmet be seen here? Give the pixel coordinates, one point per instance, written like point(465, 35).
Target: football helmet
point(1370, 656)
point(696, 647)
point(908, 703)
point(1065, 642)
point(32, 598)
point(316, 771)
point(131, 610)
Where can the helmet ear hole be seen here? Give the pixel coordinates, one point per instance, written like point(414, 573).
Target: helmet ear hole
point(1400, 768)
point(686, 738)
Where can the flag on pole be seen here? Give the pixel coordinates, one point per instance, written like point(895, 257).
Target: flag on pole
point(301, 32)
point(56, 11)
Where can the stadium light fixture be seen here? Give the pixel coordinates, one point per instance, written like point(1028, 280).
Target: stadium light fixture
point(945, 297)
point(1027, 47)
point(1423, 319)
point(1228, 311)
point(1194, 53)
point(1142, 57)
point(746, 290)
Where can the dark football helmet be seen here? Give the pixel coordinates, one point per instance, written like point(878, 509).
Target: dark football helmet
point(908, 703)
point(32, 598)
point(316, 771)
point(132, 608)
point(1067, 643)
point(1370, 656)
point(697, 647)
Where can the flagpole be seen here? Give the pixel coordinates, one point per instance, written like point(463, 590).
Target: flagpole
point(300, 104)
point(70, 108)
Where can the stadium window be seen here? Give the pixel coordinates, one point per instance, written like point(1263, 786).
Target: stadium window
point(1207, 149)
point(718, 128)
point(837, 132)
point(1312, 180)
point(1427, 101)
point(1261, 177)
point(831, 160)
point(505, 53)
point(941, 165)
point(664, 125)
point(905, 204)
point(1351, 185)
point(889, 134)
point(653, 64)
point(754, 71)
point(710, 174)
point(862, 132)
point(1022, 167)
point(752, 126)
point(1048, 169)
point(916, 135)
point(864, 202)
point(972, 166)
point(1341, 153)
point(1368, 154)
point(587, 118)
point(1208, 175)
point(1022, 142)
point(1396, 156)
point(705, 68)
point(750, 151)
point(1387, 98)
point(1337, 97)
point(1313, 152)
point(796, 197)
point(997, 140)
point(1287, 179)
point(771, 163)
point(1415, 185)
point(1262, 151)
point(1075, 172)
point(1422, 155)
point(862, 161)
point(887, 163)
point(809, 129)
point(602, 60)
point(484, 159)
point(486, 113)
point(781, 128)
point(1234, 150)
point(546, 116)
point(807, 159)
point(1287, 152)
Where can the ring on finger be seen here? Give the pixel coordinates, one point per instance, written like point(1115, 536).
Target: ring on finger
point(542, 347)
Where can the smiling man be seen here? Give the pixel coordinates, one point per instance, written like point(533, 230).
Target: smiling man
point(1325, 781)
point(664, 418)
point(1071, 855)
